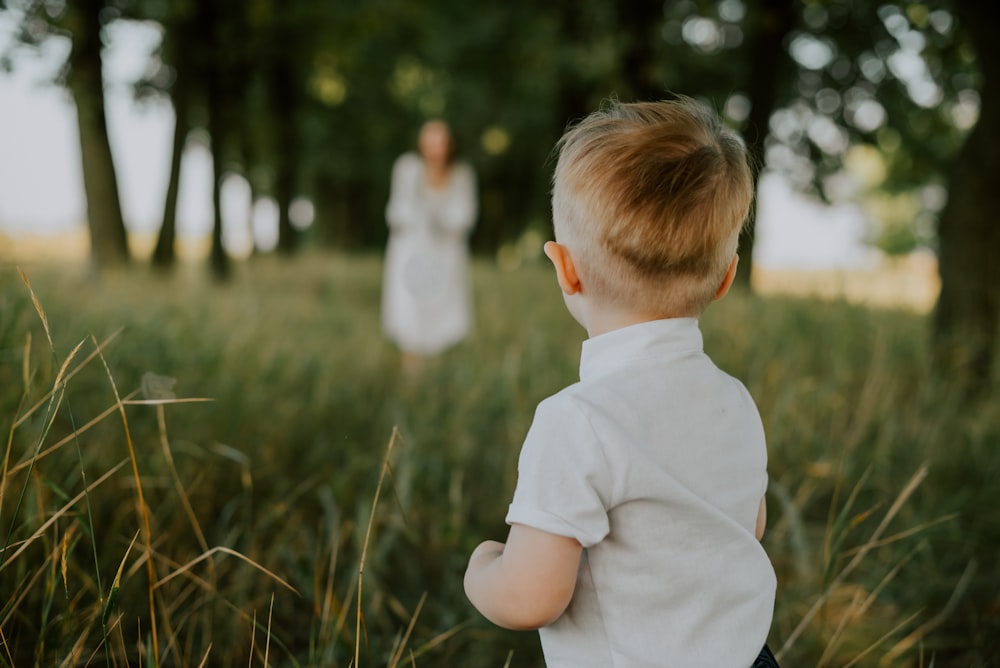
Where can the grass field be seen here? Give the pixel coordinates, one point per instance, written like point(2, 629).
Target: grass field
point(194, 474)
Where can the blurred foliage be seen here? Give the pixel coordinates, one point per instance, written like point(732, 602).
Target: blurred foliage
point(319, 98)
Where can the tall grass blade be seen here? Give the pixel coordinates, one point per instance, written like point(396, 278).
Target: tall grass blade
point(73, 436)
point(368, 535)
point(441, 638)
point(53, 407)
point(856, 612)
point(267, 642)
point(219, 549)
point(116, 584)
point(924, 629)
point(888, 634)
point(398, 655)
point(253, 638)
point(69, 375)
point(23, 545)
point(890, 514)
point(836, 534)
point(204, 659)
point(161, 423)
point(143, 512)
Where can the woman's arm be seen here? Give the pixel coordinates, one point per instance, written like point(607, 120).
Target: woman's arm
point(458, 213)
point(526, 583)
point(404, 208)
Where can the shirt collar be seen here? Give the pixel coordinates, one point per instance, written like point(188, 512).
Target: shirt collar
point(655, 339)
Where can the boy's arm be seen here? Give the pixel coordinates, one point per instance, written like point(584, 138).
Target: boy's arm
point(526, 583)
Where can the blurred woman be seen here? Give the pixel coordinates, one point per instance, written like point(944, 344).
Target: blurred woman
point(433, 203)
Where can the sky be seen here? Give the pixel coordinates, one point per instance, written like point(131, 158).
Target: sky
point(41, 182)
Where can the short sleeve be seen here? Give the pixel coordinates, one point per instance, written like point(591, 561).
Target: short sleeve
point(563, 476)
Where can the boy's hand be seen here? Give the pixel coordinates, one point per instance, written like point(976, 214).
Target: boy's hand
point(526, 583)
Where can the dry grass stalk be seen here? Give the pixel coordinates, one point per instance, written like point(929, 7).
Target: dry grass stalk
point(924, 629)
point(368, 535)
point(440, 639)
point(267, 644)
point(219, 549)
point(856, 612)
point(397, 655)
point(70, 438)
point(23, 545)
point(329, 603)
point(68, 376)
point(143, 510)
point(56, 397)
point(112, 599)
point(161, 423)
point(901, 499)
point(888, 634)
point(253, 638)
point(204, 659)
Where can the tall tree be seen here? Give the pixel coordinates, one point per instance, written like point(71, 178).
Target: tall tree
point(108, 239)
point(83, 23)
point(176, 51)
point(967, 316)
point(285, 84)
point(214, 32)
point(769, 22)
point(165, 252)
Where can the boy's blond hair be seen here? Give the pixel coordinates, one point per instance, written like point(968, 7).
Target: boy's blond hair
point(650, 198)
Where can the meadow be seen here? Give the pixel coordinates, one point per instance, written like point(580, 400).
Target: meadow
point(198, 474)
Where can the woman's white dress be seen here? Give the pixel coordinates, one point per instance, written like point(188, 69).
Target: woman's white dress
point(426, 300)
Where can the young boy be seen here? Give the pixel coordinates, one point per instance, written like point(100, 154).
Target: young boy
point(635, 526)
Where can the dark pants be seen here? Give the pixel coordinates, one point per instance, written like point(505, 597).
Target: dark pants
point(765, 659)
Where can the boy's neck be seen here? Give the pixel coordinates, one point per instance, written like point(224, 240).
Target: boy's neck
point(599, 320)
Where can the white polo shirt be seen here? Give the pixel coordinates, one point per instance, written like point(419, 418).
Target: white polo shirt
point(655, 461)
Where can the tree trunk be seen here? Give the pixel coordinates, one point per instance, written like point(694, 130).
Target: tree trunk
point(212, 75)
point(164, 256)
point(967, 315)
point(768, 61)
point(218, 259)
point(109, 242)
point(249, 157)
point(284, 123)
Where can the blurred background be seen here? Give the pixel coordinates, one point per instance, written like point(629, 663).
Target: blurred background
point(294, 112)
point(243, 149)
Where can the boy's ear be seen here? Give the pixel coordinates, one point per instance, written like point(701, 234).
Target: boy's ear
point(727, 280)
point(566, 274)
